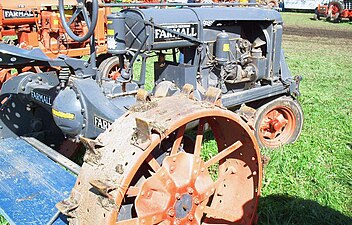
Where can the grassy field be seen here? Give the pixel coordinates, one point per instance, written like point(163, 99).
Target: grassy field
point(310, 182)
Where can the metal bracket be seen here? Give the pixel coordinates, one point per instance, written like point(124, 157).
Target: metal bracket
point(188, 90)
point(103, 187)
point(247, 114)
point(213, 96)
point(66, 206)
point(90, 144)
point(142, 135)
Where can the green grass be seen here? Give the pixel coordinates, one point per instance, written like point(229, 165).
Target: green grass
point(309, 182)
point(305, 20)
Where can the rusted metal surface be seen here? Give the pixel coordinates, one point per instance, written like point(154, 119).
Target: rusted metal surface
point(277, 126)
point(169, 181)
point(278, 122)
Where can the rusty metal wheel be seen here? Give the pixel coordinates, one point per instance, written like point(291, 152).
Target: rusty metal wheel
point(153, 175)
point(334, 11)
point(278, 122)
point(110, 68)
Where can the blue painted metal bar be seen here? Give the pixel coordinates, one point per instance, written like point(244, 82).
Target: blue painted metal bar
point(30, 184)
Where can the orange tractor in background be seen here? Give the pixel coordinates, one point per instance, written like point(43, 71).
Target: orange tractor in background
point(36, 24)
point(334, 10)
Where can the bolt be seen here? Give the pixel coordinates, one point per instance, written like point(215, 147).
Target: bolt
point(178, 196)
point(174, 159)
point(190, 190)
point(29, 79)
point(196, 200)
point(190, 217)
point(142, 193)
point(171, 212)
point(168, 182)
point(39, 78)
point(172, 168)
point(177, 222)
point(23, 88)
point(202, 169)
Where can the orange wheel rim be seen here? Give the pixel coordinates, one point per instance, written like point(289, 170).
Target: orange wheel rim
point(277, 126)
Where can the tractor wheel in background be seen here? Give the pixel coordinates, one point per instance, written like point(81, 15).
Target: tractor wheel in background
point(273, 3)
point(143, 172)
point(278, 122)
point(110, 68)
point(316, 14)
point(334, 11)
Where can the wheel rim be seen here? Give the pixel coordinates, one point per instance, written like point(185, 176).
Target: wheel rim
point(129, 182)
point(335, 9)
point(183, 190)
point(277, 126)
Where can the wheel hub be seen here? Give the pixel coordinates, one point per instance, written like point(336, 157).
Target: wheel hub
point(183, 206)
point(176, 190)
point(273, 124)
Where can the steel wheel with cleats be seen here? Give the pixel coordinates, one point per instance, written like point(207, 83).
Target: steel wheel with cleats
point(145, 170)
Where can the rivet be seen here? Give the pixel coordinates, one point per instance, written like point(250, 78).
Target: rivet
point(190, 218)
point(171, 212)
point(178, 196)
point(190, 190)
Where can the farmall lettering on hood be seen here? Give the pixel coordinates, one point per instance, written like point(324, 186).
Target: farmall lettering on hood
point(185, 29)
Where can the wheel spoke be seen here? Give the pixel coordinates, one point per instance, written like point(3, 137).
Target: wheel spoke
point(153, 163)
point(211, 188)
point(282, 120)
point(133, 191)
point(223, 154)
point(217, 214)
point(179, 137)
point(86, 16)
point(199, 138)
point(74, 16)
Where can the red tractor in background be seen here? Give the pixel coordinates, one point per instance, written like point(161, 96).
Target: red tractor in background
point(334, 11)
point(36, 24)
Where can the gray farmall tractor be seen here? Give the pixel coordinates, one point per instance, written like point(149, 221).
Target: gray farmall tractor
point(147, 157)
